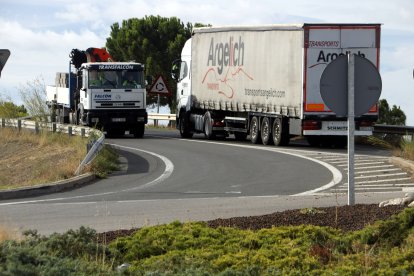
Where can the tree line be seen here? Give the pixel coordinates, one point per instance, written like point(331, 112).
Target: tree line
point(156, 42)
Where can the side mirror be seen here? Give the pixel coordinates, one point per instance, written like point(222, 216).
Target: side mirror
point(148, 80)
point(175, 69)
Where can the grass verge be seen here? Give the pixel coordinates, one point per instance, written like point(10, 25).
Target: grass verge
point(28, 159)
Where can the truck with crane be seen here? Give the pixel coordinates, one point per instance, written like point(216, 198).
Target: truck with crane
point(98, 92)
point(264, 81)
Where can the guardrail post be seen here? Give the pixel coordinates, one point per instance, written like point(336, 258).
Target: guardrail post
point(53, 127)
point(19, 125)
point(37, 127)
point(3, 122)
point(70, 131)
point(82, 132)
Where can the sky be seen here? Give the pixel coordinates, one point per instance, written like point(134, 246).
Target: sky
point(40, 34)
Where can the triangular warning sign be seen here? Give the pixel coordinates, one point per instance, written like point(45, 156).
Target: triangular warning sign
point(160, 86)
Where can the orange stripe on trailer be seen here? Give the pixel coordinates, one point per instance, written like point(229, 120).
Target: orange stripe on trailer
point(374, 108)
point(315, 107)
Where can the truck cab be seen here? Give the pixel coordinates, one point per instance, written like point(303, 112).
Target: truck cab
point(113, 96)
point(110, 96)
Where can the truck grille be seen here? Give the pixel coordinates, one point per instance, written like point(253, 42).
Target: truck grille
point(106, 104)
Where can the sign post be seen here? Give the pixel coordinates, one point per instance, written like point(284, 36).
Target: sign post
point(159, 87)
point(350, 85)
point(351, 128)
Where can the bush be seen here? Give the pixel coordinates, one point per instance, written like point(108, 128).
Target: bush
point(75, 252)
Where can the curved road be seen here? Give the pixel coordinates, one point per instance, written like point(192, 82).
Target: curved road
point(164, 178)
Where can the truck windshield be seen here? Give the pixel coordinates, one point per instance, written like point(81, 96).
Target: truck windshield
point(119, 79)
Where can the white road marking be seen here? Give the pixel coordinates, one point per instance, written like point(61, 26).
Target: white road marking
point(363, 163)
point(382, 175)
point(384, 180)
point(377, 171)
point(337, 175)
point(169, 168)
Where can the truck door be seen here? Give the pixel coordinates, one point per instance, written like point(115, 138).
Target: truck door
point(184, 85)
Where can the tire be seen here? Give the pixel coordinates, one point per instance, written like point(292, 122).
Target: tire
point(208, 126)
point(139, 131)
point(184, 131)
point(255, 130)
point(280, 132)
point(81, 116)
point(265, 132)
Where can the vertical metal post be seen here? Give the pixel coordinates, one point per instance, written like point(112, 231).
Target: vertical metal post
point(19, 125)
point(37, 127)
point(158, 110)
point(53, 127)
point(82, 132)
point(3, 122)
point(70, 131)
point(351, 128)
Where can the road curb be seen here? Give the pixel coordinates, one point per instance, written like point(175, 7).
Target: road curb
point(54, 187)
point(403, 163)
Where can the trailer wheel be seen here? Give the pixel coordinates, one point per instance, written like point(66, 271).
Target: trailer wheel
point(184, 131)
point(254, 130)
point(280, 132)
point(265, 131)
point(208, 126)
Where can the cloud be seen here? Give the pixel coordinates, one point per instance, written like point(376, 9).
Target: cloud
point(41, 34)
point(39, 53)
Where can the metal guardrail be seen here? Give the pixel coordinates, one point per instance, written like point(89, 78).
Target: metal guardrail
point(62, 128)
point(392, 129)
point(159, 116)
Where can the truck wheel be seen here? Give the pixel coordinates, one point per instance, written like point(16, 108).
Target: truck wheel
point(184, 132)
point(208, 127)
point(254, 130)
point(265, 131)
point(139, 131)
point(280, 132)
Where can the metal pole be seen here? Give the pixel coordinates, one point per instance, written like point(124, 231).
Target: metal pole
point(351, 128)
point(158, 110)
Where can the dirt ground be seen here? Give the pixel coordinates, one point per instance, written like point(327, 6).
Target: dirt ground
point(346, 218)
point(25, 162)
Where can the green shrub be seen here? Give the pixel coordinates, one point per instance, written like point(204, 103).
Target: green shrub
point(385, 248)
point(72, 253)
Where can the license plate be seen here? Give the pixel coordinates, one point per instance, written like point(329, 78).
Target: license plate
point(118, 120)
point(335, 126)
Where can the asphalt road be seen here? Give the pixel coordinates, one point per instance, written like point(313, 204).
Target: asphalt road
point(164, 178)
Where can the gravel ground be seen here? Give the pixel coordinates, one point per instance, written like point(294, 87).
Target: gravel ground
point(346, 218)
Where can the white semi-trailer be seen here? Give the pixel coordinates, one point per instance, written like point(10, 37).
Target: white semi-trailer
point(263, 81)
